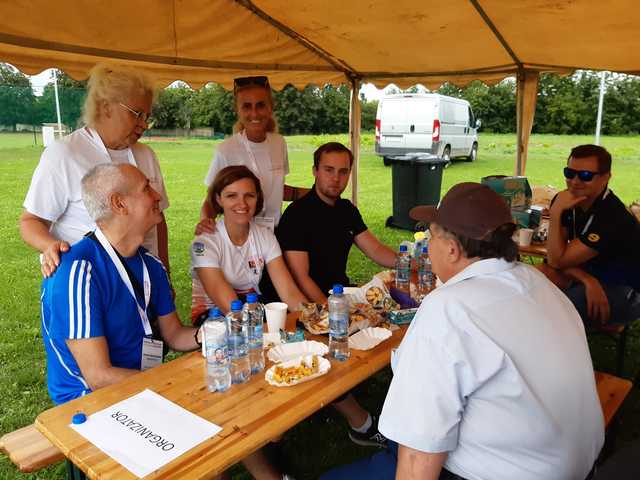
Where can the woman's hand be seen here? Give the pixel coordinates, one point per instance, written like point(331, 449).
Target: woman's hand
point(206, 225)
point(51, 257)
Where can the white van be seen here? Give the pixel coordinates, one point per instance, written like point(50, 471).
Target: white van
point(431, 123)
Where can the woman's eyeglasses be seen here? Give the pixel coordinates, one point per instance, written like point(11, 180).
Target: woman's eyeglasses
point(583, 175)
point(260, 81)
point(145, 117)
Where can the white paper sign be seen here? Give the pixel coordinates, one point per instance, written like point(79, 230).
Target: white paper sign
point(145, 432)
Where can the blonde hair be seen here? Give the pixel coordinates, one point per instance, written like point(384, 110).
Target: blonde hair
point(272, 125)
point(113, 83)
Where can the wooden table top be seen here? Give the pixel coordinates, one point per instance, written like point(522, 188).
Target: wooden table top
point(250, 414)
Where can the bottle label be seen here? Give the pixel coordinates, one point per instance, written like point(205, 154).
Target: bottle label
point(217, 354)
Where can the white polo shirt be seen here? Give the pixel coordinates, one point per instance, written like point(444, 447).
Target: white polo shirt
point(495, 369)
point(55, 193)
point(268, 160)
point(242, 266)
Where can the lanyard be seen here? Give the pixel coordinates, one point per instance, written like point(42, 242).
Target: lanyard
point(124, 276)
point(254, 168)
point(97, 141)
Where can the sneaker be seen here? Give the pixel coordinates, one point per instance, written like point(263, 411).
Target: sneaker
point(371, 438)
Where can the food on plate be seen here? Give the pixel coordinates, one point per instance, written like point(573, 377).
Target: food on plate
point(375, 296)
point(315, 318)
point(289, 375)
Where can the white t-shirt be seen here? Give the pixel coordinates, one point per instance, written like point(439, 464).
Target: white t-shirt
point(268, 160)
point(242, 266)
point(55, 193)
point(495, 369)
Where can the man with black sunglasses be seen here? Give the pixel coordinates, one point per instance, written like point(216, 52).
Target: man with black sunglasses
point(593, 242)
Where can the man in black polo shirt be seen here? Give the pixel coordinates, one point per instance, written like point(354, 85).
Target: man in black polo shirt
point(316, 233)
point(593, 245)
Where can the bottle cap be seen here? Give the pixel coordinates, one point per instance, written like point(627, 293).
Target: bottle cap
point(419, 236)
point(79, 418)
point(252, 297)
point(337, 289)
point(214, 312)
point(403, 248)
point(236, 305)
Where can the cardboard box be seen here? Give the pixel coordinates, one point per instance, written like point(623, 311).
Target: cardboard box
point(515, 190)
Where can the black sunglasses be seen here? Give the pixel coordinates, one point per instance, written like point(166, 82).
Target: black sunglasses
point(260, 81)
point(583, 175)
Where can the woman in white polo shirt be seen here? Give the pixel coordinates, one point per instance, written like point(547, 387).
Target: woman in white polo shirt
point(228, 263)
point(256, 145)
point(116, 114)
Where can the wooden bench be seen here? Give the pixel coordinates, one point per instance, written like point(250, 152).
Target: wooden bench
point(29, 449)
point(612, 392)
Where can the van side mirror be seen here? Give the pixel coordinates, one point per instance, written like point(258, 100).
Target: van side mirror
point(478, 123)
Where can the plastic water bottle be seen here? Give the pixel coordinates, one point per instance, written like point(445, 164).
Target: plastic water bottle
point(215, 334)
point(338, 324)
point(426, 280)
point(238, 344)
point(253, 314)
point(420, 241)
point(403, 269)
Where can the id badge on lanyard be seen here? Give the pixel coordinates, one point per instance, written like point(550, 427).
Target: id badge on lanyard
point(268, 222)
point(150, 347)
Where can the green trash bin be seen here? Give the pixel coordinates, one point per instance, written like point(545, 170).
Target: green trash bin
point(416, 180)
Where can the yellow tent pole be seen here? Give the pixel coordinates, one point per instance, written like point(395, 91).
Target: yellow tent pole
point(526, 96)
point(354, 136)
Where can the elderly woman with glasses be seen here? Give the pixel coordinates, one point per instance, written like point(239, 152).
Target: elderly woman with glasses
point(256, 145)
point(116, 113)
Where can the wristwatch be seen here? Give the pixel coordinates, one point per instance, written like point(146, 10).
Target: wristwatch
point(195, 337)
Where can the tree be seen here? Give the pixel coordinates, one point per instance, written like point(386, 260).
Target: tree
point(16, 97)
point(71, 95)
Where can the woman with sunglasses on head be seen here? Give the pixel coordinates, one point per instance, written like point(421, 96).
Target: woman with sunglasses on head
point(228, 264)
point(256, 145)
point(116, 113)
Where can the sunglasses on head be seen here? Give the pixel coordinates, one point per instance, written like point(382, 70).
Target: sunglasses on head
point(260, 81)
point(583, 175)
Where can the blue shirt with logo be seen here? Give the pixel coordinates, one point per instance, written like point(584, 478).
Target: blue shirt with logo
point(86, 298)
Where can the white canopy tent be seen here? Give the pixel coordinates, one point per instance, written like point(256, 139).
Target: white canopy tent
point(329, 41)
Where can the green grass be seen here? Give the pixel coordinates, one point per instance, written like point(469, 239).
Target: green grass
point(320, 442)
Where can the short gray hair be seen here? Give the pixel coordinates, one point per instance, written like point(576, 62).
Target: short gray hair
point(110, 82)
point(97, 187)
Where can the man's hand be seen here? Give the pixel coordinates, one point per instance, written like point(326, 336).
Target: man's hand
point(206, 225)
point(51, 257)
point(565, 200)
point(597, 303)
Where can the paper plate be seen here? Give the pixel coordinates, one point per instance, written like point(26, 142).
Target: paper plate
point(289, 351)
point(368, 338)
point(323, 367)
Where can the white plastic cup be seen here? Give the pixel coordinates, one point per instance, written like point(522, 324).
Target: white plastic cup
point(524, 237)
point(276, 313)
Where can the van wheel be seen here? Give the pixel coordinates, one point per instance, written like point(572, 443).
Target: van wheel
point(473, 154)
point(446, 156)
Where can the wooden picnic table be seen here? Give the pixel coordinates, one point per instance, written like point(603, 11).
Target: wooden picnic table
point(250, 414)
